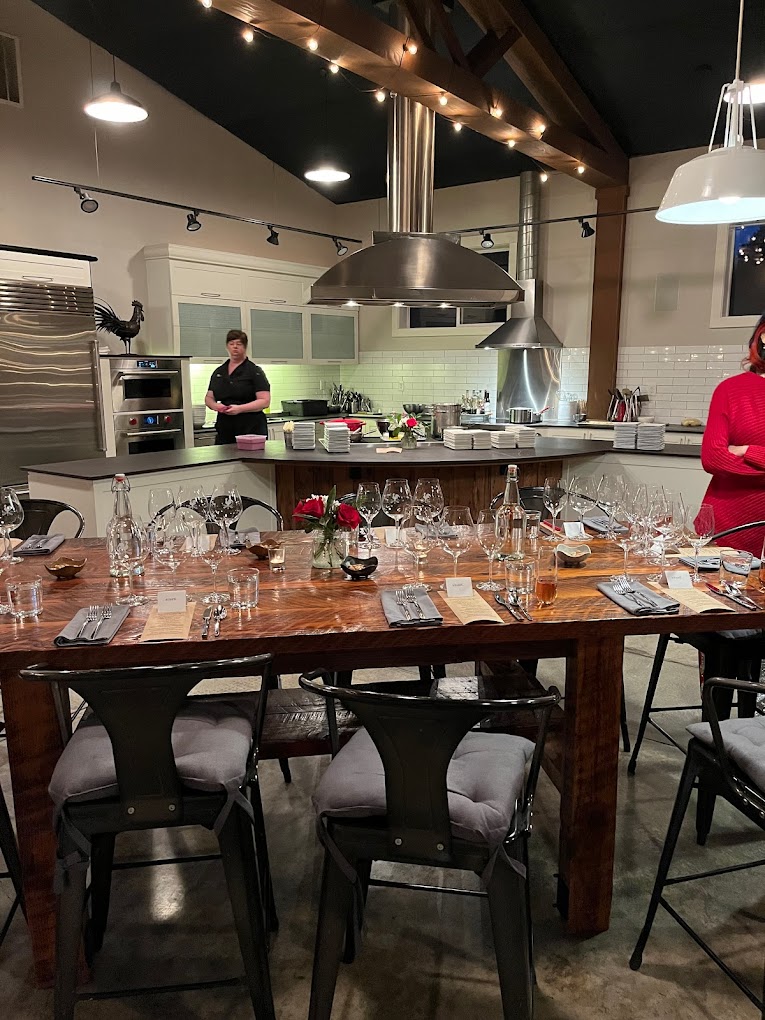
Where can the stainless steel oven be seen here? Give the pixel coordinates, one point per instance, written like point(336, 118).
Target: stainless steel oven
point(145, 384)
point(148, 433)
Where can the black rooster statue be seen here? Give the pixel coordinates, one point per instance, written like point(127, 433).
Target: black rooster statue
point(125, 329)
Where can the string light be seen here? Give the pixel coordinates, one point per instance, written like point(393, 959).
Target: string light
point(587, 230)
point(207, 4)
point(542, 128)
point(410, 46)
point(580, 169)
point(457, 126)
point(313, 44)
point(544, 177)
point(496, 111)
point(333, 68)
point(380, 95)
point(511, 143)
point(443, 99)
point(248, 35)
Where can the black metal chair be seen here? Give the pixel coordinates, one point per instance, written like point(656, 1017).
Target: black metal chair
point(39, 515)
point(151, 757)
point(725, 759)
point(247, 503)
point(429, 808)
point(732, 654)
point(10, 853)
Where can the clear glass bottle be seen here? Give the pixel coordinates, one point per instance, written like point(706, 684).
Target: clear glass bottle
point(511, 519)
point(121, 489)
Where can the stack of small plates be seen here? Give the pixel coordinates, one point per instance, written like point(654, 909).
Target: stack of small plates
point(481, 439)
point(304, 436)
point(458, 439)
point(625, 435)
point(526, 437)
point(507, 440)
point(650, 437)
point(337, 438)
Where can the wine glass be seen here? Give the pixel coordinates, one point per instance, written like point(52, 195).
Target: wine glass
point(170, 542)
point(212, 553)
point(610, 491)
point(428, 501)
point(369, 504)
point(700, 525)
point(161, 502)
point(418, 544)
point(11, 517)
point(664, 523)
point(131, 547)
point(553, 496)
point(490, 541)
point(225, 508)
point(397, 502)
point(625, 531)
point(458, 532)
point(582, 494)
point(196, 515)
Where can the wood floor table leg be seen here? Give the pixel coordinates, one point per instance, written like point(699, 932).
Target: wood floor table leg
point(588, 797)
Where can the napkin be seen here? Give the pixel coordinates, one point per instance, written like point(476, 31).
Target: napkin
point(662, 605)
point(106, 631)
point(713, 563)
point(397, 617)
point(601, 524)
point(39, 545)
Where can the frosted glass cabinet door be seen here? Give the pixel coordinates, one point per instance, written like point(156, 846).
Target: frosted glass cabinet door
point(333, 337)
point(276, 334)
point(203, 328)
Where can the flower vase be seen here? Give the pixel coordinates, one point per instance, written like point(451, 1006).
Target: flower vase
point(325, 556)
point(408, 441)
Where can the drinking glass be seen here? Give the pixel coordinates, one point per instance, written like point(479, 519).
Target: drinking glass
point(553, 496)
point(25, 598)
point(243, 586)
point(418, 544)
point(197, 515)
point(533, 520)
point(369, 504)
point(212, 553)
point(397, 503)
point(161, 501)
point(458, 532)
point(486, 532)
point(700, 526)
point(171, 540)
point(736, 565)
point(428, 501)
point(546, 586)
point(11, 517)
point(520, 578)
point(610, 491)
point(665, 522)
point(625, 534)
point(130, 550)
point(277, 557)
point(225, 508)
point(581, 495)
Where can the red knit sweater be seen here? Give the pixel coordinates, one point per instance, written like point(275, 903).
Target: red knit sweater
point(737, 490)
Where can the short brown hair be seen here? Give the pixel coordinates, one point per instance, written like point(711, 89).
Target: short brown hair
point(237, 334)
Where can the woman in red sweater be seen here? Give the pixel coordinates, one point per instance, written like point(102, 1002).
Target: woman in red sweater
point(733, 449)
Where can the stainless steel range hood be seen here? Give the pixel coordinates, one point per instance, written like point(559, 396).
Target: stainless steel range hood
point(409, 265)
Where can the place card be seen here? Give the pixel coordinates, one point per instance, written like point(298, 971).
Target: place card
point(678, 579)
point(168, 626)
point(695, 599)
point(390, 536)
point(388, 449)
point(459, 587)
point(473, 609)
point(574, 529)
point(171, 601)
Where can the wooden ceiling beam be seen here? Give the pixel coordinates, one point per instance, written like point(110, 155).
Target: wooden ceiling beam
point(542, 70)
point(489, 50)
point(420, 22)
point(446, 29)
point(364, 45)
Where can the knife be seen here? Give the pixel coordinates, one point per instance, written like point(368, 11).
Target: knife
point(216, 618)
point(498, 598)
point(733, 598)
point(517, 605)
point(206, 621)
point(727, 587)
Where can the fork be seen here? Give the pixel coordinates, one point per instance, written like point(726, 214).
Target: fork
point(90, 618)
point(623, 587)
point(106, 614)
point(401, 601)
point(411, 596)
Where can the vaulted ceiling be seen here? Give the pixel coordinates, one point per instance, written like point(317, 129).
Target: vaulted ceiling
point(652, 69)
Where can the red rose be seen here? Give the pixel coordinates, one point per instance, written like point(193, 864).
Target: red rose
point(309, 508)
point(410, 423)
point(347, 516)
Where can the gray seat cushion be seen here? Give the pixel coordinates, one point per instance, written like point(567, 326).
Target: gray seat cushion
point(484, 780)
point(744, 740)
point(211, 741)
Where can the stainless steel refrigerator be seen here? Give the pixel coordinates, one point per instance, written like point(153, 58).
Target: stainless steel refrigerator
point(50, 408)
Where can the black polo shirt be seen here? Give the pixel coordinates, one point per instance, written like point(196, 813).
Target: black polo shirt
point(239, 387)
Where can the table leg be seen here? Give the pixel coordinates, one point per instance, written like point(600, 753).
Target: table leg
point(588, 797)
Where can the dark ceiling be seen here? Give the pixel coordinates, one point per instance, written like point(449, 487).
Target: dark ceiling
point(653, 69)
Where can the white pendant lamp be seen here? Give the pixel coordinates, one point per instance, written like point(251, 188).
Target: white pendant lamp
point(114, 106)
point(727, 184)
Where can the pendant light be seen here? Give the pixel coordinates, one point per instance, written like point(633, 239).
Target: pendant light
point(326, 173)
point(114, 106)
point(727, 184)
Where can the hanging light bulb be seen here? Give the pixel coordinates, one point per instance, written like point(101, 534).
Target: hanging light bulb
point(544, 177)
point(313, 44)
point(273, 237)
point(380, 95)
point(496, 111)
point(580, 169)
point(511, 143)
point(207, 4)
point(326, 175)
point(410, 46)
point(487, 241)
point(192, 223)
point(342, 249)
point(248, 35)
point(333, 67)
point(114, 106)
point(457, 126)
point(541, 128)
point(443, 99)
point(87, 204)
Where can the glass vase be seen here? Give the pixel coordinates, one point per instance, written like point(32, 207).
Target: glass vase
point(408, 441)
point(325, 556)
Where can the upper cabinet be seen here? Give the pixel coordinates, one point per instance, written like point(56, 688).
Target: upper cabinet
point(202, 327)
point(332, 335)
point(28, 267)
point(276, 335)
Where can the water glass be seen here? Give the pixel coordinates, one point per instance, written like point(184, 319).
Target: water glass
point(736, 564)
point(243, 587)
point(533, 519)
point(25, 598)
point(546, 586)
point(277, 557)
point(520, 578)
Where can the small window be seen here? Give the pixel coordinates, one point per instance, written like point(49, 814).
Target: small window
point(747, 278)
point(441, 318)
point(10, 71)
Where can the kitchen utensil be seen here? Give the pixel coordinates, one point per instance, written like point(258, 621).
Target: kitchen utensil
point(734, 598)
point(206, 621)
point(511, 609)
point(106, 614)
point(520, 415)
point(514, 601)
point(445, 416)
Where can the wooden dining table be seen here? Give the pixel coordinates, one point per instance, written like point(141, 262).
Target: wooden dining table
point(308, 619)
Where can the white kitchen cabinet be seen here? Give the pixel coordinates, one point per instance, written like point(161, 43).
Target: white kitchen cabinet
point(203, 325)
point(333, 336)
point(31, 268)
point(206, 282)
point(274, 289)
point(277, 335)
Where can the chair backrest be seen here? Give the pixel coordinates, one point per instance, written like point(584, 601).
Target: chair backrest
point(137, 706)
point(531, 498)
point(739, 527)
point(752, 798)
point(247, 503)
point(416, 736)
point(39, 515)
point(380, 519)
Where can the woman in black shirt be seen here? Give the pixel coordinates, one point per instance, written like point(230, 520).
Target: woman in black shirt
point(239, 390)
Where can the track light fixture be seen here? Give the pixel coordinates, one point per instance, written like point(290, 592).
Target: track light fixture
point(487, 241)
point(273, 237)
point(87, 204)
point(342, 249)
point(192, 222)
point(587, 230)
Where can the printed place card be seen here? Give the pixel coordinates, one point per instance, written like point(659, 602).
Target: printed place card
point(574, 529)
point(459, 587)
point(473, 609)
point(171, 601)
point(168, 626)
point(678, 579)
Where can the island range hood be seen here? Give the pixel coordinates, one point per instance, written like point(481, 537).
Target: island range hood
point(409, 265)
point(526, 328)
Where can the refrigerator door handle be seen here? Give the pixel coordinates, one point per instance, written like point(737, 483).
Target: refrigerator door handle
point(99, 397)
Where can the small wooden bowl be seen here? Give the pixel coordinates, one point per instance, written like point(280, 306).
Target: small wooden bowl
point(573, 555)
point(260, 549)
point(358, 569)
point(65, 568)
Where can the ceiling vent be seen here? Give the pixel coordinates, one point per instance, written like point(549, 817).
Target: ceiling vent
point(10, 70)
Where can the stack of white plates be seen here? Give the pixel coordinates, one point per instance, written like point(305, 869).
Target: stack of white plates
point(481, 439)
point(198, 415)
point(625, 435)
point(337, 438)
point(507, 440)
point(526, 437)
point(458, 439)
point(304, 436)
point(650, 437)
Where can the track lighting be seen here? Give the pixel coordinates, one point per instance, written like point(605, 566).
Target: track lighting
point(410, 46)
point(380, 96)
point(580, 169)
point(326, 175)
point(443, 99)
point(587, 230)
point(333, 68)
point(87, 204)
point(273, 237)
point(313, 44)
point(544, 177)
point(457, 126)
point(192, 223)
point(342, 249)
point(487, 241)
point(248, 35)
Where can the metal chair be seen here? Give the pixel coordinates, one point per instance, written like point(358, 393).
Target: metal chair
point(725, 759)
point(10, 853)
point(39, 515)
point(247, 502)
point(408, 817)
point(732, 654)
point(119, 773)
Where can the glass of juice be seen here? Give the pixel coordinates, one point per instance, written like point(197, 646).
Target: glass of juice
point(546, 587)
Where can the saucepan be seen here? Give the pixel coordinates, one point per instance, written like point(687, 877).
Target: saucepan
point(524, 415)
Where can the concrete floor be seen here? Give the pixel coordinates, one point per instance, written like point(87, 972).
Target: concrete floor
point(429, 957)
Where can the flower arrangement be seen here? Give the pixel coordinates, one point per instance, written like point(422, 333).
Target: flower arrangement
point(406, 426)
point(325, 515)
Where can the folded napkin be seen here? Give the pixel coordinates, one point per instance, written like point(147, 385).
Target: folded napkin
point(396, 615)
point(713, 563)
point(660, 604)
point(39, 545)
point(601, 524)
point(106, 631)
point(436, 531)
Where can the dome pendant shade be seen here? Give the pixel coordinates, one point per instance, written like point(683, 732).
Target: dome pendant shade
point(327, 175)
point(115, 107)
point(725, 185)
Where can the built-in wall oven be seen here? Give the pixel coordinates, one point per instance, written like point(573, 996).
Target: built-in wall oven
point(135, 432)
point(146, 398)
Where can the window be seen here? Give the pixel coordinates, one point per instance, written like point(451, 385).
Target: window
point(746, 292)
point(440, 318)
point(10, 73)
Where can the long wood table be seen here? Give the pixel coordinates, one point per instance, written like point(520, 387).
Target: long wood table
point(308, 619)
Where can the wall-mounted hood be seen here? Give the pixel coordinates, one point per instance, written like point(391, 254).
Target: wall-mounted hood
point(526, 327)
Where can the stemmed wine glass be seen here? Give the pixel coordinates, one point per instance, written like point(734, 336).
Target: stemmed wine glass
point(428, 502)
point(665, 524)
point(700, 526)
point(610, 491)
point(458, 532)
point(582, 495)
point(131, 547)
point(625, 531)
point(553, 496)
point(199, 506)
point(225, 508)
point(397, 502)
point(161, 502)
point(490, 540)
point(418, 544)
point(369, 504)
point(212, 553)
point(170, 542)
point(11, 517)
